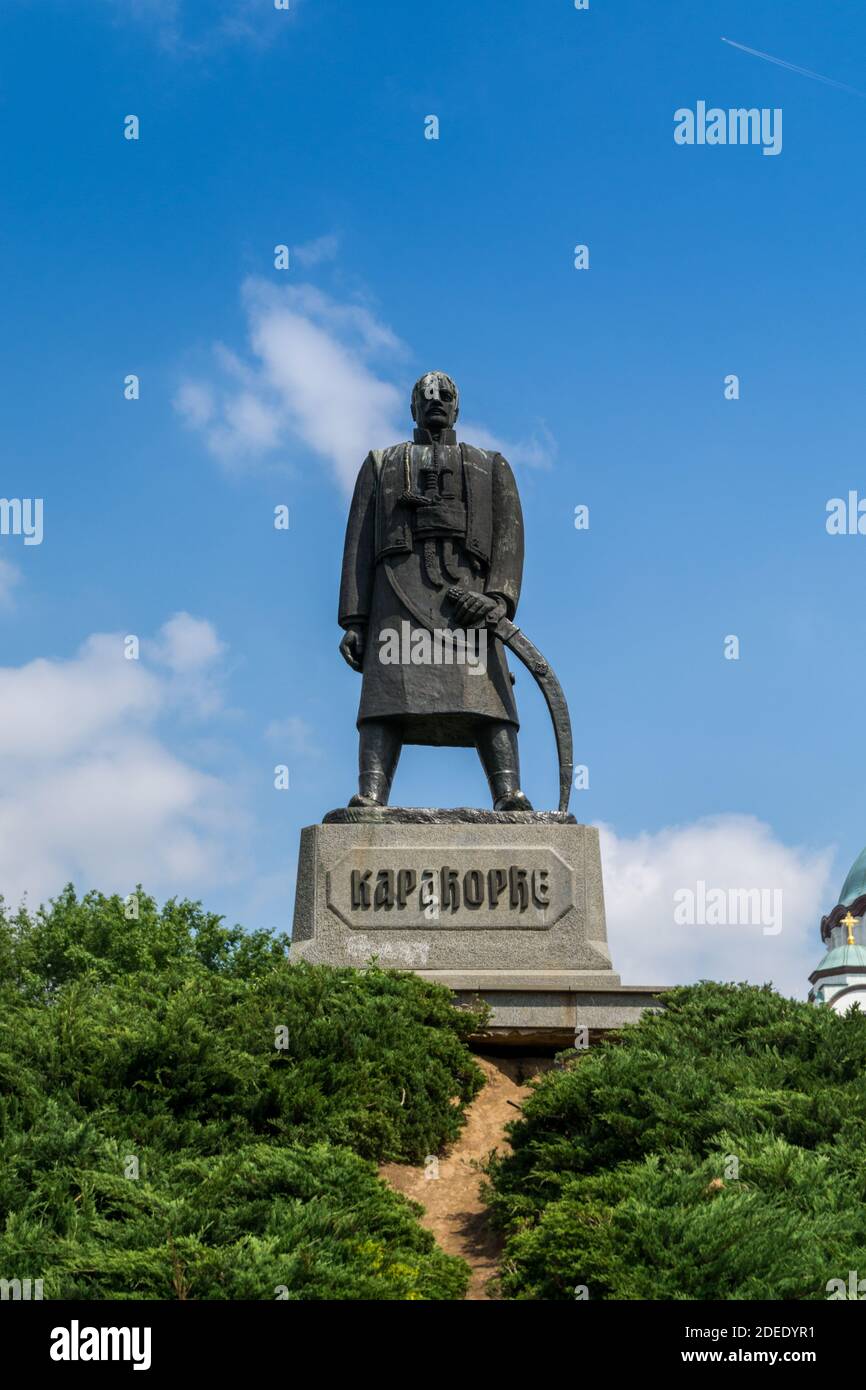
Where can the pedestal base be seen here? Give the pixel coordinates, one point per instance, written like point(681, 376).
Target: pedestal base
point(548, 1007)
point(507, 907)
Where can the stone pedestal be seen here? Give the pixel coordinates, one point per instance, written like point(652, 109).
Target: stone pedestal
point(507, 906)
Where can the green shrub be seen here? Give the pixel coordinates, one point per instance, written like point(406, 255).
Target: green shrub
point(153, 1039)
point(716, 1150)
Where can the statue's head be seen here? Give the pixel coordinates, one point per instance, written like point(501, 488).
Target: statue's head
point(435, 402)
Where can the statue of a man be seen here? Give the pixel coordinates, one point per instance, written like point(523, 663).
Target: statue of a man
point(434, 544)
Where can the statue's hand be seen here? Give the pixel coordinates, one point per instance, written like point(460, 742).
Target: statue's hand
point(473, 610)
point(352, 647)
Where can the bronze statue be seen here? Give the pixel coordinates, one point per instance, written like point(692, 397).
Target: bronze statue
point(432, 568)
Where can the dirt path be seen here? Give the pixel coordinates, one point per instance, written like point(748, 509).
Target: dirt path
point(454, 1211)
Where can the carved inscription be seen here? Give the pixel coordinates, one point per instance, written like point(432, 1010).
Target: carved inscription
point(388, 888)
point(524, 889)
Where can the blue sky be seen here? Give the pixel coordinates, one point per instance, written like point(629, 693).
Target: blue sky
point(261, 387)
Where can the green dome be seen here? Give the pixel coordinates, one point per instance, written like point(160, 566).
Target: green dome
point(855, 883)
point(841, 958)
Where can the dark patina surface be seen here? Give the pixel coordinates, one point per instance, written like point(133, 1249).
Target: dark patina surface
point(433, 557)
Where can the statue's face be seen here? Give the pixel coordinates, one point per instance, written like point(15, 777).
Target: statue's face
point(435, 405)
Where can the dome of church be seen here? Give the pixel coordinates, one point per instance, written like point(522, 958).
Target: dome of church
point(840, 979)
point(855, 884)
point(843, 958)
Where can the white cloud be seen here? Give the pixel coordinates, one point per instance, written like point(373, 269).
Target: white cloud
point(55, 709)
point(195, 402)
point(312, 253)
point(319, 379)
point(193, 653)
point(189, 28)
point(732, 852)
point(91, 792)
point(187, 644)
point(538, 451)
point(312, 384)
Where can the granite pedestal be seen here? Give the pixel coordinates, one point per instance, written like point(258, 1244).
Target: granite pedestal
point(505, 906)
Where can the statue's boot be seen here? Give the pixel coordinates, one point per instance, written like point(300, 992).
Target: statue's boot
point(497, 748)
point(373, 790)
point(360, 800)
point(513, 801)
point(378, 752)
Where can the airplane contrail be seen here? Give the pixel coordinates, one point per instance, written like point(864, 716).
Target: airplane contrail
point(792, 67)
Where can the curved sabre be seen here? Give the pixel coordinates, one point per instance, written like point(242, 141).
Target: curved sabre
point(511, 636)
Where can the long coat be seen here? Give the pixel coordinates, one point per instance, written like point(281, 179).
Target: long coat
point(423, 517)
